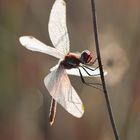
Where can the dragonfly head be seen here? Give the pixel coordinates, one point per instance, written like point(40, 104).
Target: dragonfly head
point(86, 57)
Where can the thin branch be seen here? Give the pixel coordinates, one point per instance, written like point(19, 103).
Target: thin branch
point(101, 72)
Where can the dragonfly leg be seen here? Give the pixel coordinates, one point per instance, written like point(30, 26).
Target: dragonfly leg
point(88, 83)
point(83, 67)
point(90, 68)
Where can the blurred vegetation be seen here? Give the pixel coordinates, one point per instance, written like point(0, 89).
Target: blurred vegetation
point(24, 100)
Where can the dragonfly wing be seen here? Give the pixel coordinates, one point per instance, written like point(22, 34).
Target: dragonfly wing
point(60, 88)
point(33, 44)
point(57, 27)
point(92, 71)
point(54, 68)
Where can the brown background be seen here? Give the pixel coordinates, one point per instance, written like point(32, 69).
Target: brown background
point(24, 100)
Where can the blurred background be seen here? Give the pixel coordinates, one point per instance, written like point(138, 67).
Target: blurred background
point(24, 100)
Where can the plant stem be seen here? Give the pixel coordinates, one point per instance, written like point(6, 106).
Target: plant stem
point(101, 71)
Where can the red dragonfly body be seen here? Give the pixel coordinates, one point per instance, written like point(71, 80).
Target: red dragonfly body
point(72, 60)
point(57, 81)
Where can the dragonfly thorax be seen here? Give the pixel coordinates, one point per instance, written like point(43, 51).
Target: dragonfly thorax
point(71, 60)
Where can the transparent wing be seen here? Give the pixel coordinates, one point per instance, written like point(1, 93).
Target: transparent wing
point(55, 67)
point(60, 88)
point(33, 44)
point(57, 27)
point(92, 71)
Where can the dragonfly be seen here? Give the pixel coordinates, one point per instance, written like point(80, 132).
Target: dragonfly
point(57, 81)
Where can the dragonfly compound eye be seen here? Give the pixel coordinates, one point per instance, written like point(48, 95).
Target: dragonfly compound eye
point(86, 57)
